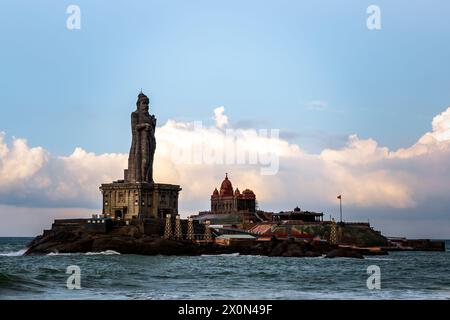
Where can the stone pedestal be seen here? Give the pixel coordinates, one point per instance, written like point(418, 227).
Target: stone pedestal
point(125, 200)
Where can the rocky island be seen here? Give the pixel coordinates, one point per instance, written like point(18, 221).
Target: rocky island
point(130, 240)
point(140, 216)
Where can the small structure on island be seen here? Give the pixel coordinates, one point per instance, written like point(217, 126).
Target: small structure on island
point(333, 233)
point(208, 235)
point(190, 229)
point(178, 233)
point(168, 227)
point(235, 240)
point(298, 215)
point(137, 196)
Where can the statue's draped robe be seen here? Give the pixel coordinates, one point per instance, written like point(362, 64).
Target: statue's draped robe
point(143, 145)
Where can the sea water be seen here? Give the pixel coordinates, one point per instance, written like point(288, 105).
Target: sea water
point(109, 275)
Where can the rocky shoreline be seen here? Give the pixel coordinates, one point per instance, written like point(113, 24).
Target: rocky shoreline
point(129, 240)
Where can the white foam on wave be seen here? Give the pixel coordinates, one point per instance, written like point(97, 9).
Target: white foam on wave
point(58, 254)
point(106, 253)
point(222, 255)
point(252, 255)
point(13, 253)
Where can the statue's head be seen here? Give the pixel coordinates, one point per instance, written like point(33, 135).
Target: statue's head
point(142, 103)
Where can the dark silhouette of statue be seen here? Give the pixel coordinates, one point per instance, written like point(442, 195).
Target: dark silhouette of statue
point(143, 144)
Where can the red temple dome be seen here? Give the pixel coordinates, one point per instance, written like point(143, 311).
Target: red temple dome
point(237, 193)
point(215, 193)
point(226, 189)
point(248, 194)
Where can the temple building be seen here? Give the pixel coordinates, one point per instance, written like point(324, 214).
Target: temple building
point(137, 196)
point(228, 201)
point(230, 206)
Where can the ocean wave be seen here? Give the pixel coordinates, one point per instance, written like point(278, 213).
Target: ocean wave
point(13, 253)
point(222, 255)
point(106, 253)
point(9, 280)
point(252, 255)
point(19, 283)
point(59, 254)
point(380, 259)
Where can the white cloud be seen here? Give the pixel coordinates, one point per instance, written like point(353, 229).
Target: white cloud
point(367, 174)
point(438, 140)
point(32, 177)
point(220, 118)
point(19, 162)
point(441, 126)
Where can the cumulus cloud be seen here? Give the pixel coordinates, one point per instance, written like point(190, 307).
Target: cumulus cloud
point(368, 175)
point(438, 140)
point(30, 176)
point(219, 117)
point(18, 163)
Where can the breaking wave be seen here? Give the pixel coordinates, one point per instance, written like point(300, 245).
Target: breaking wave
point(13, 253)
point(58, 254)
point(106, 253)
point(222, 255)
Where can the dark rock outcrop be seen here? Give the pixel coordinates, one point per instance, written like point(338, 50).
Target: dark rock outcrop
point(129, 240)
point(360, 235)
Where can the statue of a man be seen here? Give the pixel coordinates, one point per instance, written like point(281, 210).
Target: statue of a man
point(143, 145)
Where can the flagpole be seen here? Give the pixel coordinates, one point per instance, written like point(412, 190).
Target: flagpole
point(340, 206)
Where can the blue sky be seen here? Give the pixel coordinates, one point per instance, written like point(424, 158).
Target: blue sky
point(263, 60)
point(267, 62)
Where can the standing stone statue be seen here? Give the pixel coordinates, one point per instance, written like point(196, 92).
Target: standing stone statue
point(143, 145)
